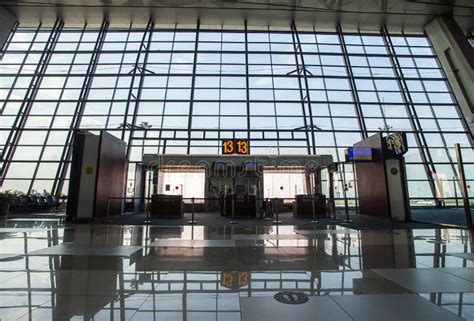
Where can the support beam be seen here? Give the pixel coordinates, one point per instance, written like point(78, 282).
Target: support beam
point(456, 56)
point(193, 85)
point(302, 74)
point(247, 80)
point(138, 76)
point(7, 25)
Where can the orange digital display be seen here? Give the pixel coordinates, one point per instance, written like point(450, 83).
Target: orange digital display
point(235, 280)
point(235, 146)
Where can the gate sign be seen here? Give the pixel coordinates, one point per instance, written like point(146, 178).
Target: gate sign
point(235, 146)
point(235, 280)
point(395, 145)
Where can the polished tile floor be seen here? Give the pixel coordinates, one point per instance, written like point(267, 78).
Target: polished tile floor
point(232, 273)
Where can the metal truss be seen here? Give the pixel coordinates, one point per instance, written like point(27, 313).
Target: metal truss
point(138, 73)
point(302, 73)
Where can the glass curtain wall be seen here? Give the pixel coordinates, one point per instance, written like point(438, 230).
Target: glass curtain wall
point(175, 89)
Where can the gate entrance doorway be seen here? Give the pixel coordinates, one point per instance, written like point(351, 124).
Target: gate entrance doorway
point(233, 185)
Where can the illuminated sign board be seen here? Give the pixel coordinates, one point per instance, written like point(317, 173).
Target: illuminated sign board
point(395, 145)
point(235, 146)
point(359, 154)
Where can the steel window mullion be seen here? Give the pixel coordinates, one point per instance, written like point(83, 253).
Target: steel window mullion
point(132, 84)
point(220, 97)
point(273, 101)
point(80, 106)
point(58, 102)
point(425, 92)
point(355, 94)
point(308, 96)
point(25, 108)
point(16, 75)
point(149, 31)
point(303, 107)
point(118, 75)
point(165, 99)
point(418, 133)
point(193, 85)
point(9, 39)
point(247, 80)
point(372, 78)
point(219, 88)
point(333, 131)
point(227, 75)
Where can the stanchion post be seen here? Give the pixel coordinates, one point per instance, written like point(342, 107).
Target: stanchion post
point(233, 221)
point(267, 210)
point(464, 192)
point(333, 209)
point(148, 208)
point(346, 206)
point(192, 212)
point(313, 201)
point(107, 219)
point(147, 212)
point(455, 192)
point(275, 208)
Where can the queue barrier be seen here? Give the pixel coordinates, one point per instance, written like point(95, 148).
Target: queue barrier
point(233, 207)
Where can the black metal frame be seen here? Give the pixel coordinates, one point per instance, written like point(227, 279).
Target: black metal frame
point(22, 116)
point(81, 103)
point(410, 107)
point(145, 46)
point(302, 139)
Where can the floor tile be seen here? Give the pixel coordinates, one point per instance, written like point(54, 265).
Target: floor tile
point(269, 309)
point(9, 257)
point(466, 256)
point(392, 307)
point(427, 280)
point(210, 273)
point(72, 249)
point(322, 231)
point(172, 243)
point(91, 307)
point(460, 304)
point(193, 243)
point(466, 273)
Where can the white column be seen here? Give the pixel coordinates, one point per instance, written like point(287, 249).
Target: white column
point(457, 59)
point(7, 21)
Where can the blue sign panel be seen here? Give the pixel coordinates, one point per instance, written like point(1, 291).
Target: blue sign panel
point(359, 154)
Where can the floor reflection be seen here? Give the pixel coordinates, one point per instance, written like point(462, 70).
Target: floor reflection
point(202, 273)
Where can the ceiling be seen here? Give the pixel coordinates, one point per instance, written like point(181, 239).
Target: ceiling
point(407, 15)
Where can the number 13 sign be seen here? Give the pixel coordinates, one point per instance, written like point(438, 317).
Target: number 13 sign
point(395, 145)
point(235, 146)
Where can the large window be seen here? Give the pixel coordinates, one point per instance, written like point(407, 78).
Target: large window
point(175, 90)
